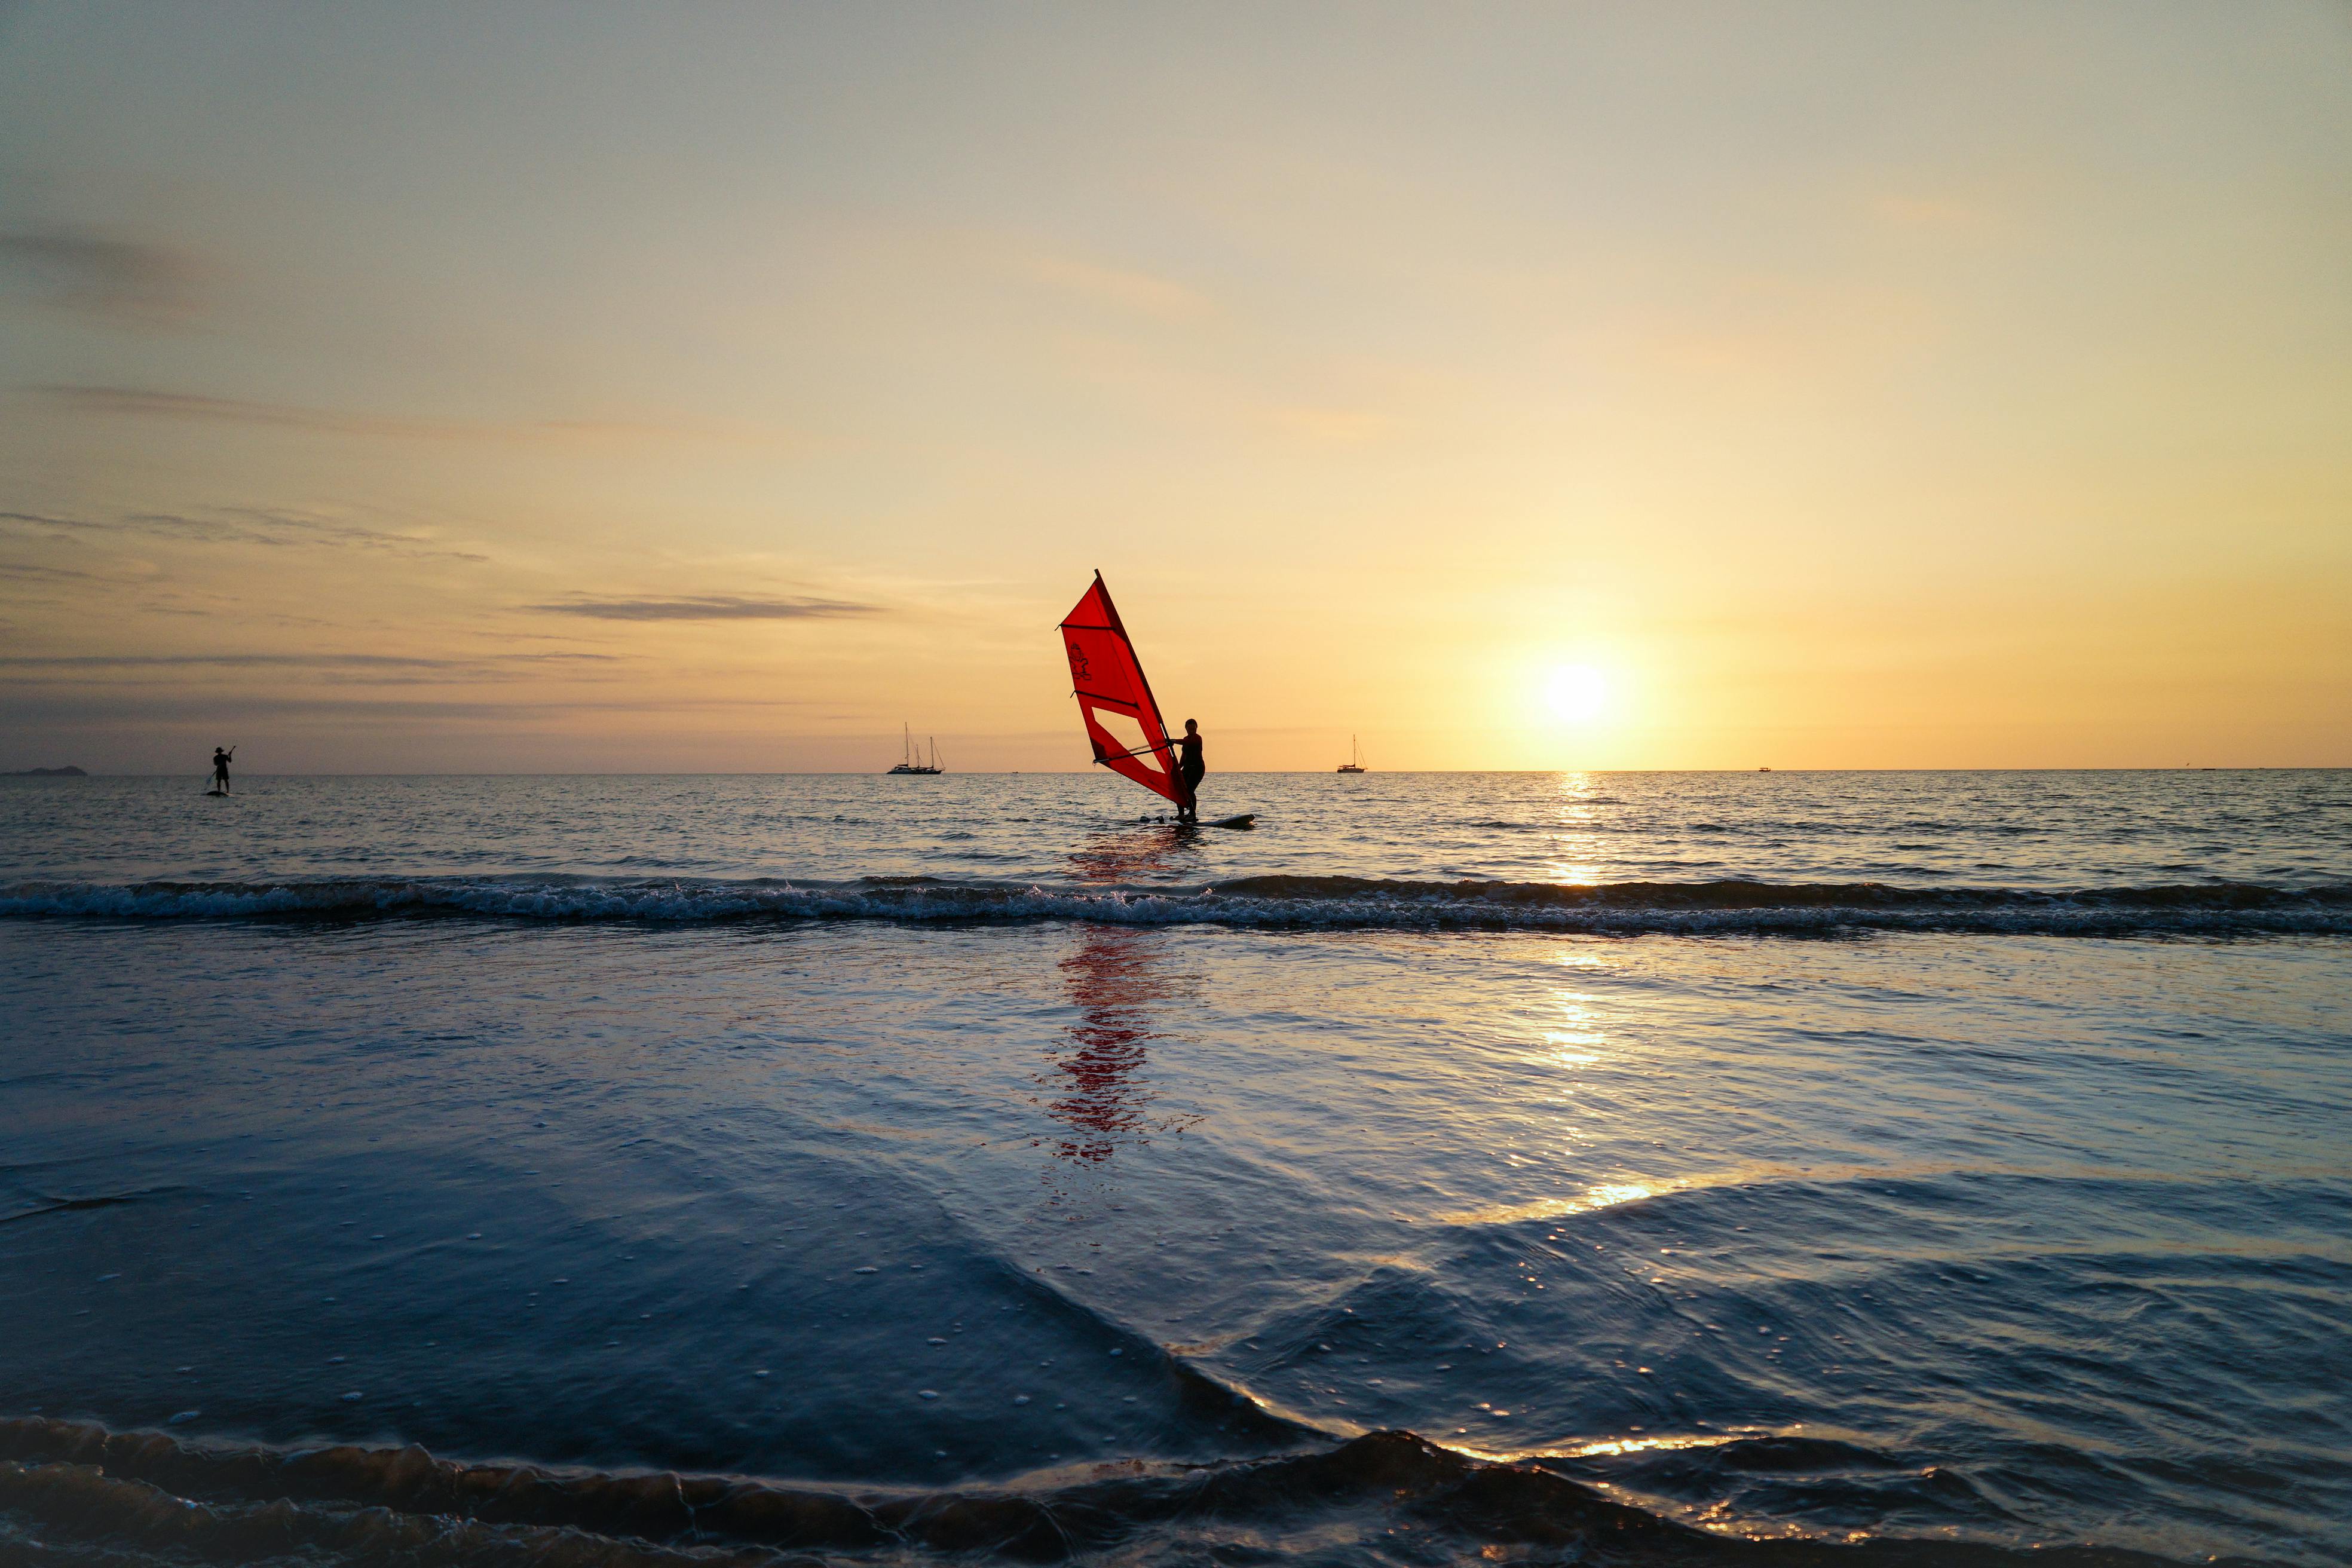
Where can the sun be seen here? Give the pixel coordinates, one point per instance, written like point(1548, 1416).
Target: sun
point(1576, 693)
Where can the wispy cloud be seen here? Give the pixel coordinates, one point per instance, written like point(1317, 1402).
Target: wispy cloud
point(247, 525)
point(270, 660)
point(1129, 289)
point(27, 572)
point(139, 402)
point(332, 668)
point(710, 607)
point(84, 710)
point(46, 519)
point(122, 281)
point(149, 402)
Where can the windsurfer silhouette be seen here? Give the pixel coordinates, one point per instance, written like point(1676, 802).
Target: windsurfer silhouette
point(1190, 767)
point(220, 768)
point(1115, 702)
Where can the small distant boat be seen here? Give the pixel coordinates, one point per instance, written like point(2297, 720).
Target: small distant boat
point(1763, 770)
point(913, 761)
point(1355, 763)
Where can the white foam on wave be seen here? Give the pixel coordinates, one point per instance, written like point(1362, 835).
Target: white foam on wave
point(1356, 905)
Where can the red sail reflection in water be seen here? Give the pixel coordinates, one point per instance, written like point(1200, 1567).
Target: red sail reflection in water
point(1099, 1091)
point(1118, 979)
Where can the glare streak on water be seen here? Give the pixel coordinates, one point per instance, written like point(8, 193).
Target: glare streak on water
point(2007, 1234)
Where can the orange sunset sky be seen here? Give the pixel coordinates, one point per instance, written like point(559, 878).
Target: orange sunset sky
point(408, 388)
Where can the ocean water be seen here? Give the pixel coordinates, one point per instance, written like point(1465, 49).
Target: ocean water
point(1604, 1168)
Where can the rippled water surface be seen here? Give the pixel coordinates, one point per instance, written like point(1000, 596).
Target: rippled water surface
point(1596, 1168)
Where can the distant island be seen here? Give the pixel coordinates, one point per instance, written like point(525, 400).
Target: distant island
point(64, 773)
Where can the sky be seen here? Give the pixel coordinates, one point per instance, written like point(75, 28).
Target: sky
point(416, 388)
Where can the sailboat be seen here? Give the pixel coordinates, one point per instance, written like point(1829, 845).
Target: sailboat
point(912, 761)
point(1107, 680)
point(1355, 763)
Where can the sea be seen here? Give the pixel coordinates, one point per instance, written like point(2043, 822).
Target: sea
point(1936, 1169)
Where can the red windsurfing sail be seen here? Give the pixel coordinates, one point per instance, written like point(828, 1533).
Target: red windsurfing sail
point(1107, 680)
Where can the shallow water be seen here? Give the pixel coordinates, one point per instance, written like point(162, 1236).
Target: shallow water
point(545, 1127)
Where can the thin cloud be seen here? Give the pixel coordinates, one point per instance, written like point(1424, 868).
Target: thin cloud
point(710, 607)
point(557, 656)
point(138, 402)
point(248, 526)
point(146, 402)
point(122, 281)
point(1129, 289)
point(94, 710)
point(227, 660)
point(314, 661)
point(43, 520)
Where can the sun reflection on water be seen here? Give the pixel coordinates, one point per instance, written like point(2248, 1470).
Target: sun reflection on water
point(1575, 857)
point(1649, 1444)
point(1606, 1446)
point(1602, 1196)
point(1576, 1041)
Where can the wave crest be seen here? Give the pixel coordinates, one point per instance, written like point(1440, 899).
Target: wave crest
point(1386, 1497)
point(1727, 906)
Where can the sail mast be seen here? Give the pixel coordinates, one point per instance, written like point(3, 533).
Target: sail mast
point(1149, 702)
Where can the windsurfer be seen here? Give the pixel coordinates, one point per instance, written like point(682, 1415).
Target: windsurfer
point(1108, 683)
point(1190, 767)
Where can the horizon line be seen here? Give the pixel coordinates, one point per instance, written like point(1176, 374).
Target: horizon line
point(1237, 772)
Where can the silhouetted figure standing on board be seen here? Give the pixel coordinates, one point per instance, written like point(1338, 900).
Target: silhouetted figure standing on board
point(220, 768)
point(1190, 768)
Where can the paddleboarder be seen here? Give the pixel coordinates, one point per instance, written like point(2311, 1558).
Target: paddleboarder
point(220, 768)
point(1190, 767)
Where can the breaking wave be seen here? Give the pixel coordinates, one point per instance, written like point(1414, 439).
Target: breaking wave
point(72, 1493)
point(1327, 902)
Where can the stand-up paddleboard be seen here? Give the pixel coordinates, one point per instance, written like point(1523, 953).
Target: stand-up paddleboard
point(218, 793)
point(1107, 680)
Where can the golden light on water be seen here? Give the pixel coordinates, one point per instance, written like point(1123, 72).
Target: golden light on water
point(1650, 1445)
point(1578, 1040)
point(1608, 1195)
point(1603, 1447)
point(1577, 851)
point(1571, 1047)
